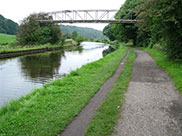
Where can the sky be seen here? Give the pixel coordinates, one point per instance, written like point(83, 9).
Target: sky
point(16, 10)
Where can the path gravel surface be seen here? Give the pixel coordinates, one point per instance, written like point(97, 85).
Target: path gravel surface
point(153, 107)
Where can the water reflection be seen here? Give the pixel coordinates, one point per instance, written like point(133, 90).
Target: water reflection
point(20, 75)
point(43, 65)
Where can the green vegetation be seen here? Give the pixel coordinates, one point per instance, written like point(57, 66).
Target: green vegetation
point(76, 37)
point(124, 32)
point(12, 48)
point(48, 110)
point(174, 69)
point(70, 41)
point(7, 26)
point(88, 33)
point(107, 31)
point(34, 35)
point(162, 19)
point(33, 32)
point(8, 44)
point(159, 22)
point(106, 116)
point(6, 39)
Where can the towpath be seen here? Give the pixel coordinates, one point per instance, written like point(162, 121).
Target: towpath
point(78, 126)
point(152, 105)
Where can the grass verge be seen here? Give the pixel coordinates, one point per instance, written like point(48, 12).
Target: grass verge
point(6, 39)
point(46, 111)
point(174, 69)
point(8, 44)
point(19, 48)
point(106, 116)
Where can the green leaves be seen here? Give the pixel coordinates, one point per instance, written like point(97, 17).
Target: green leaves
point(159, 22)
point(33, 32)
point(163, 20)
point(124, 32)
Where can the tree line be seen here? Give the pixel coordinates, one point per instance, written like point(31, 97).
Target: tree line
point(159, 23)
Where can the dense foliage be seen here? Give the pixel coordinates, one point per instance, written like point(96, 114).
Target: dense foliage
point(109, 32)
point(162, 19)
point(7, 26)
point(34, 32)
point(86, 32)
point(159, 22)
point(123, 32)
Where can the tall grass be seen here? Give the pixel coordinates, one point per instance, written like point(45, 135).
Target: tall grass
point(6, 39)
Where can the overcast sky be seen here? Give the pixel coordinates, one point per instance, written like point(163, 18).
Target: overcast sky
point(18, 9)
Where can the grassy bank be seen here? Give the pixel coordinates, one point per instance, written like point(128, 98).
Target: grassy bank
point(26, 48)
point(174, 69)
point(46, 111)
point(106, 116)
point(7, 44)
point(6, 39)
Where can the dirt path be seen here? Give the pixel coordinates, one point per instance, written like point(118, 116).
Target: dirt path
point(79, 124)
point(152, 105)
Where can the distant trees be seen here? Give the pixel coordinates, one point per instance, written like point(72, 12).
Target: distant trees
point(74, 35)
point(32, 32)
point(88, 33)
point(79, 39)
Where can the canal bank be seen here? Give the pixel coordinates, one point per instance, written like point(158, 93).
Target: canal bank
point(48, 110)
point(33, 50)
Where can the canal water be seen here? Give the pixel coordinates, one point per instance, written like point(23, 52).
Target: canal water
point(20, 75)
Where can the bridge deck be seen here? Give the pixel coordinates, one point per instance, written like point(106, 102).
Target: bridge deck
point(88, 21)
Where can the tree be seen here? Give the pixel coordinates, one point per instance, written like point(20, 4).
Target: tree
point(107, 31)
point(74, 35)
point(79, 39)
point(34, 32)
point(124, 32)
point(163, 20)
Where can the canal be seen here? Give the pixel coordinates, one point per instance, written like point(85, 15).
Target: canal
point(20, 75)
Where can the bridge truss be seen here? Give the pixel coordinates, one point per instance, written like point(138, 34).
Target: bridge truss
point(87, 16)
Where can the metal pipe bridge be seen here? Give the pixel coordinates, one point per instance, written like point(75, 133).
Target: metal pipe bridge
point(88, 16)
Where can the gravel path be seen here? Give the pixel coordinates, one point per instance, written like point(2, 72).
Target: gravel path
point(152, 105)
point(79, 124)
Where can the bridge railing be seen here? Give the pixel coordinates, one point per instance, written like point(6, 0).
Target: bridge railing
point(88, 16)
